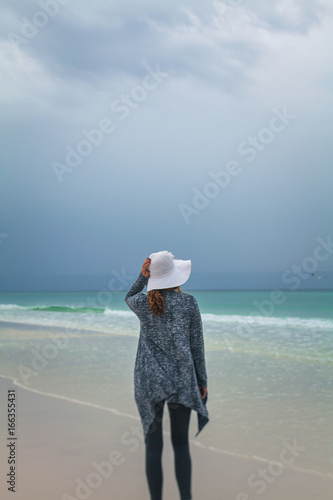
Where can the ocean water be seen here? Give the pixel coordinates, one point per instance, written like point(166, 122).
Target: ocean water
point(269, 362)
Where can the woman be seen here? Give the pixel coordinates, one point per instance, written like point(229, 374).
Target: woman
point(169, 366)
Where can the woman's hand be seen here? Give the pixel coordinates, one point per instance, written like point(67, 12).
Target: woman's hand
point(203, 391)
point(145, 265)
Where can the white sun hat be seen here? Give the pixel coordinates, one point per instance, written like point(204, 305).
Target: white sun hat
point(167, 272)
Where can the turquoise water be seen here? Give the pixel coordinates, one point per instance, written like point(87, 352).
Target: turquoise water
point(298, 325)
point(269, 362)
point(304, 304)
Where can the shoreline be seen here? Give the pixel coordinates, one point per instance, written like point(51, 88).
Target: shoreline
point(16, 325)
point(62, 403)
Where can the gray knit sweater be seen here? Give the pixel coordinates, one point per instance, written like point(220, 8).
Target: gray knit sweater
point(170, 359)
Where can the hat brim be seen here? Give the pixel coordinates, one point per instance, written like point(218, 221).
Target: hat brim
point(179, 275)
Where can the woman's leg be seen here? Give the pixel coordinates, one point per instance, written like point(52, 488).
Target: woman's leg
point(154, 446)
point(180, 420)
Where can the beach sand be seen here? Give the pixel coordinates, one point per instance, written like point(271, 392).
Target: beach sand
point(61, 446)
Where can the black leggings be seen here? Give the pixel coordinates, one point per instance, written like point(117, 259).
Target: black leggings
point(179, 419)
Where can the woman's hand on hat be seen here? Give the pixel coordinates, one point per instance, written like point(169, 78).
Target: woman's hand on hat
point(145, 266)
point(203, 392)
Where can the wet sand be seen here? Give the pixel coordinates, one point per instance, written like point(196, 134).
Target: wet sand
point(65, 450)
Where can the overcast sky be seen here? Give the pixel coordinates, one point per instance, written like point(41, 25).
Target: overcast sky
point(199, 127)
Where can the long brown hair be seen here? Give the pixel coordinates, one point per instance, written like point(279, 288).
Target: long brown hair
point(156, 300)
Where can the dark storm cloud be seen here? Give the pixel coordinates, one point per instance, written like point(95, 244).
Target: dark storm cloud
point(230, 65)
